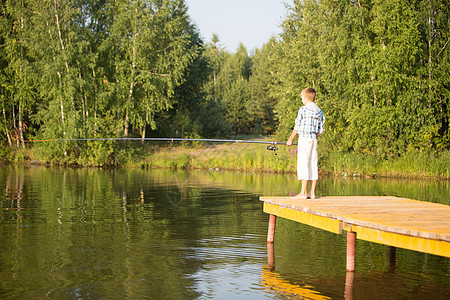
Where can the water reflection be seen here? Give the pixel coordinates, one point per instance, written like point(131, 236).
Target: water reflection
point(161, 234)
point(275, 284)
point(374, 284)
point(349, 281)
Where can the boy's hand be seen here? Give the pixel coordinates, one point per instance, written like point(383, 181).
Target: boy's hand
point(292, 137)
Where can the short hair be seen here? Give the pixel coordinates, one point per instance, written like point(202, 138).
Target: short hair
point(310, 93)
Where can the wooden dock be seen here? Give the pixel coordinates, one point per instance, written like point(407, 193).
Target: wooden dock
point(397, 222)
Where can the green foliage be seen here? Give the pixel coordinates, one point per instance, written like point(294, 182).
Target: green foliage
point(261, 103)
point(153, 48)
point(96, 69)
point(412, 163)
point(239, 86)
point(87, 69)
point(377, 68)
point(99, 154)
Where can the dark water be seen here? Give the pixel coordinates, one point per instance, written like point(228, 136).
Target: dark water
point(135, 234)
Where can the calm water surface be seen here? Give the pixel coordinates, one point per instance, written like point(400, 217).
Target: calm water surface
point(146, 234)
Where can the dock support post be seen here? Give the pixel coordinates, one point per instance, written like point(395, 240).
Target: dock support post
point(271, 231)
point(351, 237)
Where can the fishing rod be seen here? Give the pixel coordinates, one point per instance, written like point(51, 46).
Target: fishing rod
point(272, 144)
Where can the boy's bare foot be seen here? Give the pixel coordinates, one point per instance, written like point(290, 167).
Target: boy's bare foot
point(300, 196)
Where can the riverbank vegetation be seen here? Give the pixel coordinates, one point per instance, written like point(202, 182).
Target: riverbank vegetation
point(255, 158)
point(95, 69)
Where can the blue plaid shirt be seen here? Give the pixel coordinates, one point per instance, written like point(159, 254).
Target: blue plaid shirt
point(310, 121)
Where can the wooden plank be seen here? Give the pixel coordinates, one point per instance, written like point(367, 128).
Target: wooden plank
point(328, 224)
point(424, 245)
point(434, 220)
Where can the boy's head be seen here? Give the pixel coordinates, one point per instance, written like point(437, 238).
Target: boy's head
point(308, 95)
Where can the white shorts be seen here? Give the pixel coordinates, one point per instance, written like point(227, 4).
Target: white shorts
point(307, 158)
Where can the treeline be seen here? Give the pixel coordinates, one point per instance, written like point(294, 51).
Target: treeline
point(381, 68)
point(87, 69)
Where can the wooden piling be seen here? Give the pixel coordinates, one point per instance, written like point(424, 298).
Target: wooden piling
point(351, 237)
point(271, 231)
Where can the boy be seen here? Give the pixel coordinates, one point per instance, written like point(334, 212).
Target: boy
point(309, 125)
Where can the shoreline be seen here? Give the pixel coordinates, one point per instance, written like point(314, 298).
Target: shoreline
point(252, 158)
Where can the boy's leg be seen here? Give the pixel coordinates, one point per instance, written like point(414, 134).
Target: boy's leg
point(314, 170)
point(303, 193)
point(313, 189)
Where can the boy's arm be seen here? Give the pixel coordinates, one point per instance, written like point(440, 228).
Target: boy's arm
point(292, 137)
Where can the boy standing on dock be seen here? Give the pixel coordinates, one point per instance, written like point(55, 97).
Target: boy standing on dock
point(309, 125)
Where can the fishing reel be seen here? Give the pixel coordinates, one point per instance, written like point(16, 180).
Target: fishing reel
point(272, 148)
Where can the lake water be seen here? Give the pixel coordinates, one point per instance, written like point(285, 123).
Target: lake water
point(162, 234)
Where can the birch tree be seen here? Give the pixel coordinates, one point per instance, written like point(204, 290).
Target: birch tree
point(152, 50)
point(18, 76)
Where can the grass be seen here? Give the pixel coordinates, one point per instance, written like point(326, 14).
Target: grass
point(410, 164)
point(242, 157)
point(256, 158)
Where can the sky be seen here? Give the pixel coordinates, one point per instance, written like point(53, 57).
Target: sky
point(251, 22)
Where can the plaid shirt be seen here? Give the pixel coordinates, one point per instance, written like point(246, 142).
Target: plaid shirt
point(310, 121)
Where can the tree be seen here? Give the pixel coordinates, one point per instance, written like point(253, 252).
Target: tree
point(153, 48)
point(185, 118)
point(374, 65)
point(261, 104)
point(216, 123)
point(235, 89)
point(18, 74)
point(5, 84)
point(433, 80)
point(297, 62)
